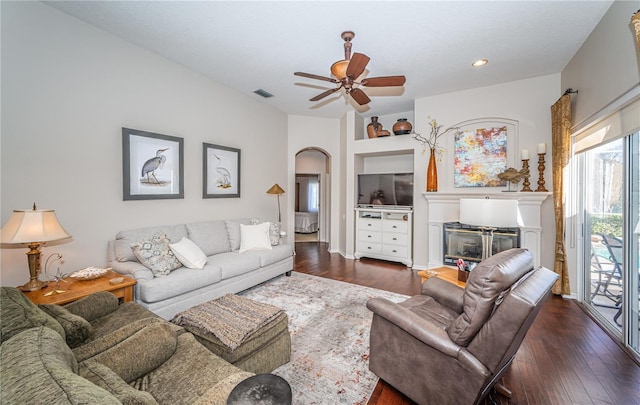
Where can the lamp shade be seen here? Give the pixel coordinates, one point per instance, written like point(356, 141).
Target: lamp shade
point(275, 189)
point(493, 213)
point(27, 226)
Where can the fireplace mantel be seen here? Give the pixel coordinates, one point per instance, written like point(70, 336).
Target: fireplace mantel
point(445, 207)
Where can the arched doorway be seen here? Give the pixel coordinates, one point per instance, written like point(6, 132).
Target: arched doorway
point(312, 196)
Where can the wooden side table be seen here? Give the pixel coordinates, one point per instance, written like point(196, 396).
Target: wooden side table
point(446, 273)
point(76, 289)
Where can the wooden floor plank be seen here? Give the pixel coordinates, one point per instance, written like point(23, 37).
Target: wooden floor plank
point(566, 358)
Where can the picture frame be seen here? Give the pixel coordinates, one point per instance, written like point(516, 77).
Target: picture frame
point(152, 165)
point(220, 171)
point(481, 149)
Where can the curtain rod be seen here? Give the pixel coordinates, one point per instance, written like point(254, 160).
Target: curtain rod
point(570, 91)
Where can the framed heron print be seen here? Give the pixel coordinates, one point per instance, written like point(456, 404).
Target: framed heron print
point(221, 171)
point(152, 165)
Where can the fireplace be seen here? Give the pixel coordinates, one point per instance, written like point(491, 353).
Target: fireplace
point(465, 242)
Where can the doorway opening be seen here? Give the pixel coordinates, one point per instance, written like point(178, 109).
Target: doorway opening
point(312, 196)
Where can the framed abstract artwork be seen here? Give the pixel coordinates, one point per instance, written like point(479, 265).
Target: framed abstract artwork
point(221, 171)
point(152, 165)
point(482, 149)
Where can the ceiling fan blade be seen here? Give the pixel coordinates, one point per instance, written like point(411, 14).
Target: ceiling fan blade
point(312, 76)
point(383, 81)
point(357, 64)
point(360, 96)
point(325, 94)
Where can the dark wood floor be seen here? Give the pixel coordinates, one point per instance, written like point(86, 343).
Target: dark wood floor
point(566, 357)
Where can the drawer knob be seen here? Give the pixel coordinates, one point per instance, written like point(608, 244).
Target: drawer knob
point(395, 238)
point(368, 236)
point(394, 251)
point(369, 247)
point(368, 224)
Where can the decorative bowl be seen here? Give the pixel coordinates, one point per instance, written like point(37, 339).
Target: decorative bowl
point(90, 273)
point(431, 272)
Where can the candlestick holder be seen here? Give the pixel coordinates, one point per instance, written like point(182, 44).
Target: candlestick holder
point(525, 170)
point(541, 172)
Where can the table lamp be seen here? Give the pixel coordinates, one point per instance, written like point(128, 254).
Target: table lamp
point(276, 189)
point(33, 227)
point(489, 214)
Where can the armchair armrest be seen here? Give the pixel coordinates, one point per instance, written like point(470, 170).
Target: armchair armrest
point(413, 324)
point(445, 293)
point(94, 306)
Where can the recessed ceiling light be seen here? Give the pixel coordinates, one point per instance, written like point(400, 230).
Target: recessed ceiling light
point(480, 62)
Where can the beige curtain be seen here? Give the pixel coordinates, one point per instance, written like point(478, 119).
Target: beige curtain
point(560, 140)
point(635, 20)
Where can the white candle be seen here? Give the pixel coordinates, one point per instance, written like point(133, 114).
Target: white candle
point(542, 148)
point(524, 154)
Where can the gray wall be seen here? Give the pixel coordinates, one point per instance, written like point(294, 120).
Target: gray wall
point(607, 64)
point(68, 88)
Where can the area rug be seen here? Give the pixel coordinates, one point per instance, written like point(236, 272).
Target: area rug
point(329, 325)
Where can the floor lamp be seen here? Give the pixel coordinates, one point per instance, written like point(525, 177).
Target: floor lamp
point(488, 215)
point(277, 190)
point(33, 228)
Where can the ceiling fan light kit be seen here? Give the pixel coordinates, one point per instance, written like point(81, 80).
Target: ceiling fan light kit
point(348, 70)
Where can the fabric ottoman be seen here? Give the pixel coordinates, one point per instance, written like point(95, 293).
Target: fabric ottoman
point(248, 334)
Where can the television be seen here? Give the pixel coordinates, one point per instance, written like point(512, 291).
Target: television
point(385, 189)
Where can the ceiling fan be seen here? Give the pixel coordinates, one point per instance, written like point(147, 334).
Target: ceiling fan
point(348, 70)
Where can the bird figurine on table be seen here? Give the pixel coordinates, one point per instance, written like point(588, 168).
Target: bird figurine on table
point(153, 164)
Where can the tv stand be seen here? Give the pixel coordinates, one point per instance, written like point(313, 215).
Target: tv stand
point(385, 233)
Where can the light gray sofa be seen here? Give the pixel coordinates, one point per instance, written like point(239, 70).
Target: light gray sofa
point(226, 271)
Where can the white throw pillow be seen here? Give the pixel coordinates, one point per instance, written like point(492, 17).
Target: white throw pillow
point(189, 253)
point(255, 237)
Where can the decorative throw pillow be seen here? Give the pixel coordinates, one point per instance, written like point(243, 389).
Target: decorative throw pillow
point(76, 328)
point(189, 253)
point(255, 237)
point(155, 253)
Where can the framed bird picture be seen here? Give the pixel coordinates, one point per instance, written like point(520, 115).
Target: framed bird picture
point(152, 165)
point(221, 171)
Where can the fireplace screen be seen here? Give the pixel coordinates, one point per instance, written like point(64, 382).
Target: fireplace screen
point(465, 242)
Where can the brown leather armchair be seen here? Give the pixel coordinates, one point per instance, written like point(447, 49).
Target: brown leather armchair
point(450, 345)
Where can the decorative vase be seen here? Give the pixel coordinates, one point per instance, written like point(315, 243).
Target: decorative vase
point(432, 172)
point(402, 127)
point(373, 127)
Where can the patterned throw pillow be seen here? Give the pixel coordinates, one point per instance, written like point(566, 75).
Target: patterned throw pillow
point(155, 253)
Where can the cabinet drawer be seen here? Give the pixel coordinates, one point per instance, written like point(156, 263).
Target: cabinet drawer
point(395, 239)
point(370, 248)
point(395, 226)
point(370, 237)
point(395, 251)
point(373, 224)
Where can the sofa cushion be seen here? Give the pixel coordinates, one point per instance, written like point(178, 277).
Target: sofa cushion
point(136, 353)
point(181, 281)
point(124, 239)
point(155, 253)
point(39, 368)
point(233, 230)
point(104, 377)
point(276, 254)
point(210, 236)
point(486, 282)
point(189, 254)
point(17, 314)
point(94, 306)
point(76, 328)
point(233, 263)
point(255, 237)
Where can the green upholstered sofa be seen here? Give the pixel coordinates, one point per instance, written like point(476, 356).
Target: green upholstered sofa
point(97, 351)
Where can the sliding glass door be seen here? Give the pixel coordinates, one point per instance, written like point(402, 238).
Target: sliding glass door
point(610, 205)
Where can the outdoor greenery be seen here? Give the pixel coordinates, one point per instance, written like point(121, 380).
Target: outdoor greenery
point(608, 224)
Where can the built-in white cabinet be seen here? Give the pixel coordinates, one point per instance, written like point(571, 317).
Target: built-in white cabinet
point(385, 233)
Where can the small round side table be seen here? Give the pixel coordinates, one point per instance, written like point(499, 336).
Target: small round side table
point(262, 389)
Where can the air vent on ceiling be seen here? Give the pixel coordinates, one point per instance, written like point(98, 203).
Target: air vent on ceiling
point(263, 93)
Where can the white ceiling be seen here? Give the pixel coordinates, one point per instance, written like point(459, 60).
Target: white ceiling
point(258, 45)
